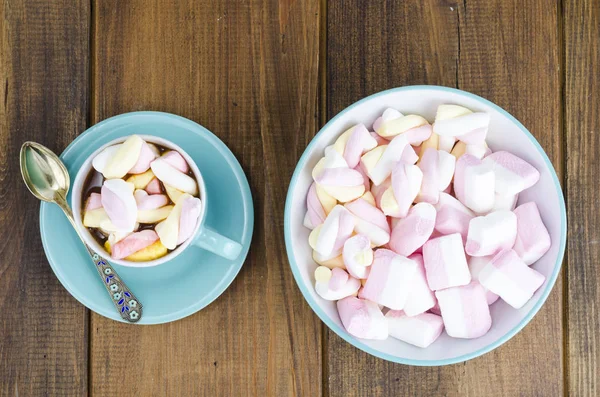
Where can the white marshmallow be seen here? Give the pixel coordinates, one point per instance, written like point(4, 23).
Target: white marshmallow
point(420, 330)
point(445, 262)
point(379, 162)
point(362, 318)
point(329, 237)
point(474, 184)
point(420, 298)
point(508, 276)
point(513, 174)
point(171, 176)
point(465, 311)
point(492, 233)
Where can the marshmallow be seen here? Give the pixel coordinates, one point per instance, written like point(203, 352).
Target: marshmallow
point(379, 139)
point(413, 126)
point(101, 159)
point(508, 276)
point(438, 168)
point(153, 186)
point(154, 215)
point(474, 184)
point(465, 311)
point(358, 256)
point(369, 220)
point(431, 143)
point(507, 203)
point(387, 115)
point(334, 284)
point(446, 143)
point(378, 191)
point(318, 204)
point(191, 208)
point(149, 202)
point(124, 158)
point(390, 279)
point(119, 203)
point(491, 234)
point(445, 262)
point(380, 161)
point(353, 143)
point(133, 243)
point(93, 202)
point(533, 240)
point(330, 261)
point(173, 177)
point(362, 318)
point(405, 185)
point(98, 218)
point(142, 164)
point(168, 230)
point(409, 156)
point(176, 160)
point(340, 182)
point(420, 298)
point(153, 251)
point(141, 181)
point(412, 232)
point(452, 216)
point(173, 193)
point(478, 150)
point(476, 265)
point(366, 181)
point(513, 174)
point(420, 330)
point(329, 238)
point(457, 121)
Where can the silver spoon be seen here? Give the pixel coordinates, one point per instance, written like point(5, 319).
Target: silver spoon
point(47, 179)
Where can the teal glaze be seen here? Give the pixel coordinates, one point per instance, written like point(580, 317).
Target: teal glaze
point(357, 343)
point(193, 279)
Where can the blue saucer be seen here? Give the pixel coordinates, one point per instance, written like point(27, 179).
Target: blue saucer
point(188, 282)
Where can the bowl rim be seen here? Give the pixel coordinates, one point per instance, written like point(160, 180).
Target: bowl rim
point(357, 342)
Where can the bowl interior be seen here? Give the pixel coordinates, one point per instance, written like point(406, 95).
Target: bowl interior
point(505, 133)
point(77, 201)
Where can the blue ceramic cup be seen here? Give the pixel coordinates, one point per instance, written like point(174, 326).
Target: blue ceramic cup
point(202, 237)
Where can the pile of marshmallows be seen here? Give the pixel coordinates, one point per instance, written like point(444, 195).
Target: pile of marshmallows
point(134, 177)
point(440, 262)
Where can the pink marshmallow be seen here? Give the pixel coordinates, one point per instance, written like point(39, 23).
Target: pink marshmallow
point(334, 232)
point(476, 265)
point(370, 221)
point(339, 285)
point(358, 256)
point(452, 216)
point(339, 278)
point(445, 262)
point(378, 190)
point(430, 186)
point(492, 233)
point(390, 280)
point(147, 155)
point(176, 160)
point(474, 184)
point(366, 180)
point(93, 202)
point(359, 142)
point(417, 135)
point(508, 276)
point(149, 202)
point(420, 330)
point(409, 156)
point(119, 203)
point(133, 243)
point(533, 239)
point(436, 308)
point(154, 187)
point(362, 318)
point(412, 232)
point(420, 298)
point(191, 208)
point(513, 174)
point(315, 213)
point(378, 138)
point(465, 311)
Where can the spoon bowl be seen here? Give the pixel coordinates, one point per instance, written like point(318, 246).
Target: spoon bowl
point(43, 172)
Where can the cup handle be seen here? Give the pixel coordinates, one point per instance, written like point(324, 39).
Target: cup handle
point(217, 244)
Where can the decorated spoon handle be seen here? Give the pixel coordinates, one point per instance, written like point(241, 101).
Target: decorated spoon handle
point(121, 296)
point(128, 306)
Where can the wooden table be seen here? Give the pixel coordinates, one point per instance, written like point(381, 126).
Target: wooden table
point(264, 75)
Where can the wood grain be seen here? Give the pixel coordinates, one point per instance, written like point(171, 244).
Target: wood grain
point(248, 71)
point(43, 97)
point(582, 57)
point(506, 51)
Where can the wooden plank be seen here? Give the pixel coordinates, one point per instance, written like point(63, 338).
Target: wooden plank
point(507, 51)
point(43, 97)
point(582, 56)
point(248, 71)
